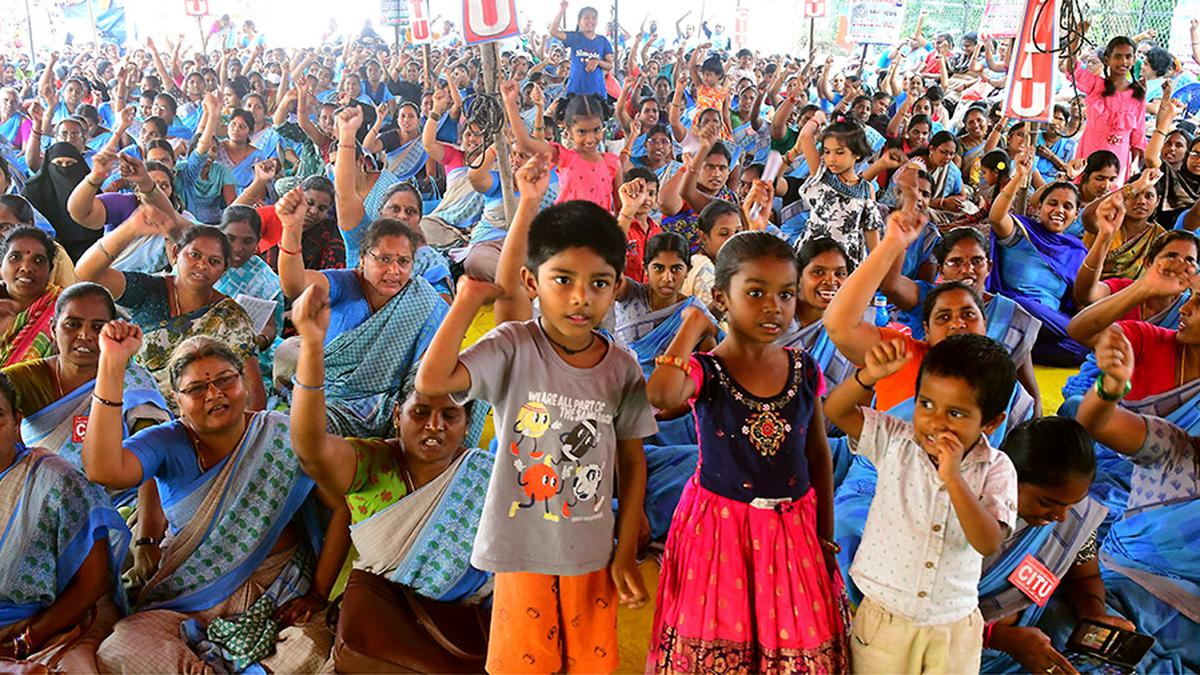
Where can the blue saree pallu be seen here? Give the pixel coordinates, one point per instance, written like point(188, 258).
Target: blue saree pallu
point(227, 521)
point(424, 540)
point(52, 518)
point(58, 426)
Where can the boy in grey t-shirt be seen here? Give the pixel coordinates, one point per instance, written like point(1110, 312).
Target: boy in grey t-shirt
point(570, 408)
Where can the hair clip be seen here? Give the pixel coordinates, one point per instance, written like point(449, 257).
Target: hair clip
point(1000, 166)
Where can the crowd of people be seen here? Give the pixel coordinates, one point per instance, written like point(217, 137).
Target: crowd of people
point(280, 362)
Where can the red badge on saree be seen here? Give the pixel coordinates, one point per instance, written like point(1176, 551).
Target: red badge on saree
point(1033, 579)
point(78, 428)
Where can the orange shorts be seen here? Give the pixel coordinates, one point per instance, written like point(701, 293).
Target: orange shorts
point(547, 624)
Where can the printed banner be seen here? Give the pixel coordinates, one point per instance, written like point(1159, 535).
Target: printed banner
point(1001, 18)
point(875, 22)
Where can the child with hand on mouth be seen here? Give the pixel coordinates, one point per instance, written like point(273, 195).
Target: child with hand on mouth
point(945, 499)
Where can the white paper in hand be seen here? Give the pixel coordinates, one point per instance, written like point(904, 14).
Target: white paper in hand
point(260, 311)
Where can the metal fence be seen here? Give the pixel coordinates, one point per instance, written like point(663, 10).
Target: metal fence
point(956, 17)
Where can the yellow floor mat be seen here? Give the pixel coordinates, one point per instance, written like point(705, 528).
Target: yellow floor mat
point(1050, 383)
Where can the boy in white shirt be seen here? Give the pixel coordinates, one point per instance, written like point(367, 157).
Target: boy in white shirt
point(944, 499)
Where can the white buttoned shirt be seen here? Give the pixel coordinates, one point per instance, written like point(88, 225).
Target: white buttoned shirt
point(914, 558)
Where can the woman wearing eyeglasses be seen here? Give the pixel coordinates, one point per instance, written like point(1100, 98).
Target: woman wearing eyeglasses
point(170, 308)
point(381, 320)
point(962, 255)
point(242, 535)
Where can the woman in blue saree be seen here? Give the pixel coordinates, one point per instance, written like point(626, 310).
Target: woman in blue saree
point(61, 545)
point(382, 319)
point(236, 152)
point(1036, 262)
point(1056, 525)
point(1149, 558)
point(647, 318)
point(239, 521)
point(415, 499)
point(962, 255)
point(408, 158)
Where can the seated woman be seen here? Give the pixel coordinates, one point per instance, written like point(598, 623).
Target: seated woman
point(703, 183)
point(962, 255)
point(1118, 247)
point(26, 296)
point(54, 394)
point(15, 211)
point(173, 307)
point(242, 540)
point(648, 315)
point(382, 319)
point(1056, 524)
point(206, 186)
point(1036, 262)
point(63, 545)
point(1149, 558)
point(249, 274)
point(823, 269)
point(647, 318)
point(415, 499)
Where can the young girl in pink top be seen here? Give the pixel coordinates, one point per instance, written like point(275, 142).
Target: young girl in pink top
point(583, 172)
point(1116, 106)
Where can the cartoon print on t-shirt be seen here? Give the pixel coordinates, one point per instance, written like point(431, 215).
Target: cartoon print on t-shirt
point(544, 476)
point(533, 420)
point(541, 483)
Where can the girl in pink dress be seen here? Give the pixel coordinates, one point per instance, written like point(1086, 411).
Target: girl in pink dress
point(749, 578)
point(1116, 106)
point(583, 172)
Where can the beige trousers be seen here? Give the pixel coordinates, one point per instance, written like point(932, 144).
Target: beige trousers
point(883, 642)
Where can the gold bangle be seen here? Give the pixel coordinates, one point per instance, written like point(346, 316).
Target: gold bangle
point(676, 361)
point(1089, 267)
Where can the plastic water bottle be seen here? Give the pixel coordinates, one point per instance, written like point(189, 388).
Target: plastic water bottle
point(881, 316)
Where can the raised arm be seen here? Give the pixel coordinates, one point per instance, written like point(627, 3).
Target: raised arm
point(844, 316)
point(105, 460)
point(675, 114)
point(96, 263)
point(1166, 278)
point(1002, 221)
point(670, 386)
point(163, 74)
point(348, 202)
point(293, 278)
point(429, 141)
point(1163, 121)
point(1108, 423)
point(808, 142)
point(509, 92)
point(513, 302)
point(1107, 215)
point(556, 25)
point(844, 404)
point(84, 204)
point(211, 122)
point(327, 458)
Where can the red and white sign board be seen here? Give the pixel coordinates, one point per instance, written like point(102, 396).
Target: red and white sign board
point(195, 7)
point(814, 9)
point(1029, 92)
point(1001, 18)
point(418, 21)
point(488, 20)
point(741, 27)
